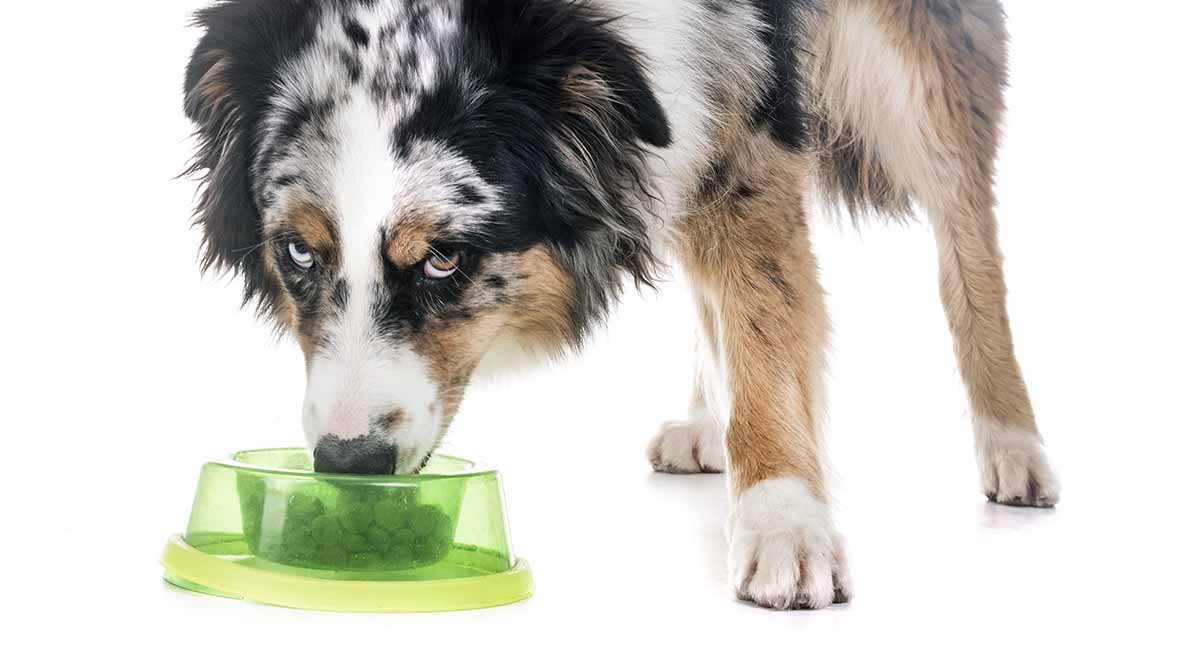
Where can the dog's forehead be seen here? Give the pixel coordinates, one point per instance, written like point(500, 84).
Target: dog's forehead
point(336, 127)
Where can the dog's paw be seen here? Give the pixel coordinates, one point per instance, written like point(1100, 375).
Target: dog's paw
point(783, 550)
point(692, 446)
point(1013, 467)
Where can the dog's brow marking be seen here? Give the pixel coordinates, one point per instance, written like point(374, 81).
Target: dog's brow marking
point(408, 240)
point(314, 226)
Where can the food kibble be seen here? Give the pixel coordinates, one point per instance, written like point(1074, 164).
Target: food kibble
point(356, 543)
point(427, 520)
point(326, 530)
point(399, 556)
point(378, 538)
point(334, 527)
point(403, 537)
point(355, 517)
point(389, 514)
point(334, 557)
point(303, 508)
point(300, 549)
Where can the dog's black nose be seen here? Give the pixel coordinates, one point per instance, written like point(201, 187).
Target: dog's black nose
point(362, 455)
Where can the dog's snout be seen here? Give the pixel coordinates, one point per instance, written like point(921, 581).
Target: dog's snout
point(362, 455)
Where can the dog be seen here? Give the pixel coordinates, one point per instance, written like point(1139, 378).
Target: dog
point(427, 191)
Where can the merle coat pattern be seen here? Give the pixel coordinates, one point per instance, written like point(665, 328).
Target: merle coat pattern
point(423, 191)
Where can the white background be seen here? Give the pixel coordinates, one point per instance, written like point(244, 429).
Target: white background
point(123, 370)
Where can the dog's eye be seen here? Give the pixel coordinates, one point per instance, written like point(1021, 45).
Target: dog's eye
point(440, 267)
point(301, 254)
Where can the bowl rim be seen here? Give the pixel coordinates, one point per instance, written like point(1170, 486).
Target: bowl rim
point(189, 568)
point(473, 469)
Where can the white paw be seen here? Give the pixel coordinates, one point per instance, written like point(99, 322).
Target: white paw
point(1013, 467)
point(783, 550)
point(691, 446)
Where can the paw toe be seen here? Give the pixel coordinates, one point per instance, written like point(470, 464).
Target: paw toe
point(1018, 474)
point(785, 572)
point(687, 447)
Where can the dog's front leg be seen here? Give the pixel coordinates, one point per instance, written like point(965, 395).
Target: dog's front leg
point(751, 266)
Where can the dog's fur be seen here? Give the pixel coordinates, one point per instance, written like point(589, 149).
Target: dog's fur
point(544, 151)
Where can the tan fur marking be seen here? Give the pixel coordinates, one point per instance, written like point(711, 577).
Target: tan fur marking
point(313, 224)
point(214, 86)
point(748, 254)
point(585, 91)
point(452, 351)
point(395, 419)
point(542, 316)
point(408, 241)
point(539, 313)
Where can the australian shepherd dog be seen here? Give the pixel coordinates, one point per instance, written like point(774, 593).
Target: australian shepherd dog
point(422, 192)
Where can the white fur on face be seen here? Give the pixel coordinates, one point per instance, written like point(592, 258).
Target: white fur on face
point(348, 389)
point(358, 376)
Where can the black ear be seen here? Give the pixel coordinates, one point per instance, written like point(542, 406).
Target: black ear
point(547, 45)
point(606, 85)
point(224, 94)
point(595, 118)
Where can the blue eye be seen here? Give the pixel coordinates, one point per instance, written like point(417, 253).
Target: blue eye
point(301, 254)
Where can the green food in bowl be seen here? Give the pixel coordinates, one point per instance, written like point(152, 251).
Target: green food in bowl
point(335, 526)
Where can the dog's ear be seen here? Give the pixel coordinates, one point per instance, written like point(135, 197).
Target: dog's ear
point(224, 91)
point(607, 115)
point(226, 210)
point(564, 47)
point(606, 89)
point(587, 89)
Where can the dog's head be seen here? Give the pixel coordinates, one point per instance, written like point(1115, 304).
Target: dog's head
point(416, 187)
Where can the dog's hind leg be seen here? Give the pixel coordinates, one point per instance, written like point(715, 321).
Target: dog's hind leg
point(696, 444)
point(911, 93)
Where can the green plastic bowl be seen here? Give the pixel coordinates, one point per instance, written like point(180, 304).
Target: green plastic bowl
point(264, 527)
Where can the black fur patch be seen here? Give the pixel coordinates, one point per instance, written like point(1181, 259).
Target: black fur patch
point(407, 301)
point(353, 66)
point(468, 195)
point(341, 295)
point(715, 181)
point(296, 118)
point(781, 108)
point(356, 33)
point(719, 184)
point(774, 274)
point(497, 282)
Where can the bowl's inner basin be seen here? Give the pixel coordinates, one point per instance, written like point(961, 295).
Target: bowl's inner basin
point(447, 522)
